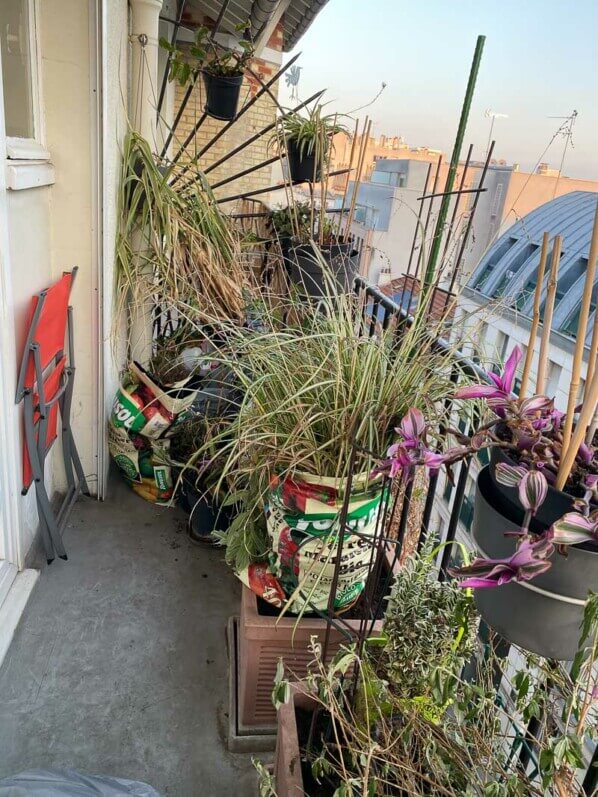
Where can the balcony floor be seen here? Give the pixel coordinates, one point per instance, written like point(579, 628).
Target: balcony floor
point(119, 665)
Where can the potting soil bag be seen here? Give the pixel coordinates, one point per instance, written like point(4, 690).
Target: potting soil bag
point(144, 407)
point(144, 414)
point(143, 463)
point(68, 783)
point(302, 517)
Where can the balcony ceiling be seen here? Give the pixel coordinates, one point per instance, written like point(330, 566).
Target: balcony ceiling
point(296, 19)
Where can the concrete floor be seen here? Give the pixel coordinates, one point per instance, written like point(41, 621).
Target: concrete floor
point(119, 665)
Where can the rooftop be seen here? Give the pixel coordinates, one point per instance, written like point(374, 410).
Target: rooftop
point(509, 269)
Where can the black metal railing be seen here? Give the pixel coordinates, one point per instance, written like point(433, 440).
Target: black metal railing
point(378, 311)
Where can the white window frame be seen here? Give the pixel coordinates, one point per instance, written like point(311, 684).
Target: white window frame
point(27, 149)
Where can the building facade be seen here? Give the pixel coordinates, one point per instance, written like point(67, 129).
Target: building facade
point(388, 204)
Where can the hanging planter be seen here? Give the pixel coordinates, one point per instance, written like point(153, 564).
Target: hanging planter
point(302, 165)
point(309, 271)
point(555, 505)
point(222, 95)
point(542, 616)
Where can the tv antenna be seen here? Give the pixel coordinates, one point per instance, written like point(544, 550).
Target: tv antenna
point(490, 114)
point(566, 132)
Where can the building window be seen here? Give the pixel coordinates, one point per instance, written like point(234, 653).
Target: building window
point(497, 199)
point(554, 375)
point(18, 50)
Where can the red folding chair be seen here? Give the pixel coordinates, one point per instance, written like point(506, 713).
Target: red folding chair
point(45, 386)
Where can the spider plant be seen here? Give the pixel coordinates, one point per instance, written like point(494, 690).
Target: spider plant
point(174, 248)
point(205, 54)
point(313, 388)
point(310, 132)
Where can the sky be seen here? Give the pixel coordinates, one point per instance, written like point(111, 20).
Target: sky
point(540, 60)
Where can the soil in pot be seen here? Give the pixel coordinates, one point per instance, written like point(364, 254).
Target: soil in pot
point(301, 164)
point(222, 95)
point(306, 269)
point(544, 615)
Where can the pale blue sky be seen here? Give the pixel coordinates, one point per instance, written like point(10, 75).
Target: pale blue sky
point(540, 60)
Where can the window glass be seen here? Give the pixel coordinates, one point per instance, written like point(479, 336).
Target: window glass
point(382, 178)
point(554, 375)
point(16, 67)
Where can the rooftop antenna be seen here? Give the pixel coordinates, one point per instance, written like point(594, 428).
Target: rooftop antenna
point(490, 114)
point(566, 131)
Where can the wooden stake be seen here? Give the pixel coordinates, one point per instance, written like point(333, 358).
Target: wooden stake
point(591, 368)
point(531, 344)
point(366, 138)
point(580, 340)
point(568, 455)
point(548, 311)
point(351, 156)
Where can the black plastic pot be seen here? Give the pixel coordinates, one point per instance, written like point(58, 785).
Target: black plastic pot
point(553, 508)
point(543, 615)
point(301, 165)
point(222, 95)
point(306, 269)
point(204, 516)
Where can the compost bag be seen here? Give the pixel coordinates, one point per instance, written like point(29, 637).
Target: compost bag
point(144, 416)
point(302, 515)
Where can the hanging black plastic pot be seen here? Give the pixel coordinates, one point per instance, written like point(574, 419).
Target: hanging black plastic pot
point(302, 164)
point(222, 95)
point(307, 273)
point(543, 615)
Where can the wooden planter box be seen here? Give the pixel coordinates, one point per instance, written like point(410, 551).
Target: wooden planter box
point(287, 759)
point(263, 640)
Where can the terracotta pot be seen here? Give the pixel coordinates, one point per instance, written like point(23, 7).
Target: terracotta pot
point(287, 759)
point(263, 640)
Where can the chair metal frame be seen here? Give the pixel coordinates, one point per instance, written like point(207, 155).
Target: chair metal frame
point(37, 416)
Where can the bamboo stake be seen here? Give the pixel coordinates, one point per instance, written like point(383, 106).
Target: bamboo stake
point(548, 311)
point(351, 156)
point(568, 455)
point(531, 344)
point(580, 340)
point(366, 138)
point(591, 368)
point(323, 188)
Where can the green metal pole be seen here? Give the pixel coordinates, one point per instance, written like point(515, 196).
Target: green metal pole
point(450, 178)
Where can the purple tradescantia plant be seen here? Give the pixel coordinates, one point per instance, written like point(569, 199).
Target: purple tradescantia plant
point(411, 450)
point(574, 528)
point(530, 431)
point(529, 560)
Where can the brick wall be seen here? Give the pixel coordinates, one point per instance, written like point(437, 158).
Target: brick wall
point(262, 113)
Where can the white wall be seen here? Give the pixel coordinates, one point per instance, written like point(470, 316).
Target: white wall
point(30, 272)
point(53, 228)
point(115, 58)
